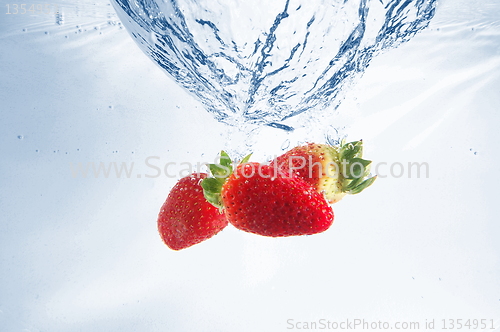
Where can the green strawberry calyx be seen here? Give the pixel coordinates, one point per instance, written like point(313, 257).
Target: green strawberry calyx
point(212, 186)
point(354, 170)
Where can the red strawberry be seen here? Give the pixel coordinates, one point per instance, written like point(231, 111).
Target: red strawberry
point(186, 218)
point(333, 170)
point(260, 199)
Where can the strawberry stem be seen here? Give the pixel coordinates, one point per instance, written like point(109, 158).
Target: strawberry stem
point(356, 169)
point(212, 186)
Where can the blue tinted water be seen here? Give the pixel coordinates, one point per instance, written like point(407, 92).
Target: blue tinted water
point(83, 254)
point(260, 63)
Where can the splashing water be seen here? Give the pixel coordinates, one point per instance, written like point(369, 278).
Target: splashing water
point(264, 62)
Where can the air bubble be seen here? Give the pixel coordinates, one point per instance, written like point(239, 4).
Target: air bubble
point(20, 137)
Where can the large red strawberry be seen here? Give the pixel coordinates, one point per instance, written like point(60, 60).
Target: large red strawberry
point(260, 199)
point(333, 170)
point(186, 218)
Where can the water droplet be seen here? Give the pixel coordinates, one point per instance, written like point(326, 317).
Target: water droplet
point(46, 32)
point(20, 137)
point(285, 145)
point(110, 107)
point(59, 18)
point(25, 29)
point(37, 151)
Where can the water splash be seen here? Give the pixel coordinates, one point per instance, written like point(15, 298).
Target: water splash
point(259, 62)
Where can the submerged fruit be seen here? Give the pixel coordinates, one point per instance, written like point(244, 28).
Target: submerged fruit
point(270, 204)
point(186, 218)
point(334, 171)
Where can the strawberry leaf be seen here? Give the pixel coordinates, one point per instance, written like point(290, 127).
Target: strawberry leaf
point(211, 190)
point(246, 159)
point(219, 171)
point(212, 186)
point(351, 150)
point(357, 168)
point(348, 184)
point(225, 161)
point(365, 184)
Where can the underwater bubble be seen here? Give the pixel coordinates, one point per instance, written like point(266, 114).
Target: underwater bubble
point(59, 18)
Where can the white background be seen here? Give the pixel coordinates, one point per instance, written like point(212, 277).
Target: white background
point(83, 254)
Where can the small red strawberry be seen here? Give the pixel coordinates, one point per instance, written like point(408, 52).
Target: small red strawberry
point(333, 170)
point(186, 218)
point(260, 199)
